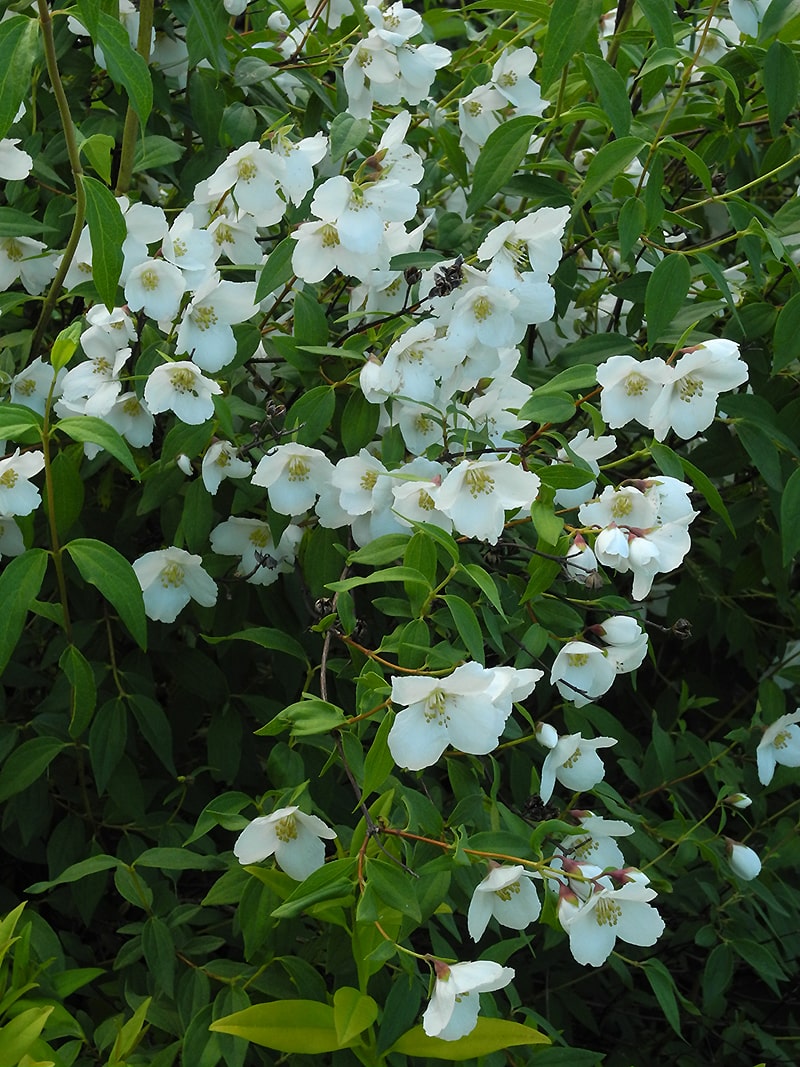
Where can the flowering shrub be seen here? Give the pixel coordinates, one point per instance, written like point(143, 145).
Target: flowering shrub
point(399, 507)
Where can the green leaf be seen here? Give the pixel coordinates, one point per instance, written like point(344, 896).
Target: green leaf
point(16, 419)
point(379, 762)
point(467, 624)
point(567, 29)
point(500, 158)
point(786, 339)
point(266, 637)
point(311, 415)
point(68, 489)
point(305, 718)
point(390, 574)
point(18, 1035)
point(177, 859)
point(76, 873)
point(663, 985)
point(103, 567)
point(125, 65)
point(547, 407)
point(18, 39)
point(484, 582)
point(333, 881)
point(85, 428)
point(631, 224)
point(107, 231)
point(205, 35)
point(346, 134)
point(562, 476)
point(353, 1012)
point(610, 161)
point(15, 223)
point(383, 549)
point(66, 344)
point(304, 1026)
point(20, 583)
point(781, 84)
point(704, 485)
point(155, 151)
point(489, 1035)
point(393, 885)
point(107, 739)
point(277, 271)
point(27, 763)
point(159, 953)
point(98, 149)
point(665, 295)
point(155, 728)
point(790, 518)
point(659, 15)
point(359, 422)
point(613, 94)
point(83, 698)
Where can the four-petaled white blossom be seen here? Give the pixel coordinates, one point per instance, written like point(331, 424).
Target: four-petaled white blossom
point(180, 387)
point(468, 710)
point(453, 1009)
point(595, 923)
point(18, 496)
point(294, 838)
point(574, 763)
point(170, 578)
point(506, 893)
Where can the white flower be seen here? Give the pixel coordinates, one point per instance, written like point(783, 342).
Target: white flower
point(507, 894)
point(14, 163)
point(170, 578)
point(220, 462)
point(251, 539)
point(594, 924)
point(477, 493)
point(582, 672)
point(180, 387)
point(32, 385)
point(597, 846)
point(156, 287)
point(575, 763)
point(468, 710)
point(205, 331)
point(630, 388)
point(625, 641)
point(453, 1009)
point(688, 402)
point(743, 860)
point(580, 563)
point(129, 416)
point(294, 476)
point(293, 837)
point(17, 495)
point(28, 260)
point(780, 744)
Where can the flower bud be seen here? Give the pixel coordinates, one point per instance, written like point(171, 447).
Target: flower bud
point(546, 734)
point(739, 800)
point(743, 860)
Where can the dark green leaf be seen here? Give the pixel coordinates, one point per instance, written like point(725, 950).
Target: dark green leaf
point(125, 65)
point(467, 624)
point(20, 583)
point(27, 763)
point(666, 294)
point(611, 160)
point(277, 271)
point(346, 134)
point(659, 15)
point(18, 38)
point(84, 691)
point(103, 567)
point(85, 428)
point(781, 84)
point(790, 518)
point(500, 158)
point(567, 29)
point(107, 231)
point(786, 339)
point(613, 94)
point(107, 740)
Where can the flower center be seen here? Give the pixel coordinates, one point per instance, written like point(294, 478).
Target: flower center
point(27, 387)
point(298, 469)
point(508, 891)
point(204, 317)
point(622, 506)
point(482, 308)
point(183, 380)
point(578, 659)
point(223, 234)
point(607, 912)
point(478, 481)
point(132, 406)
point(690, 387)
point(573, 759)
point(286, 828)
point(9, 478)
point(329, 235)
point(13, 251)
point(507, 80)
point(436, 707)
point(423, 424)
point(172, 575)
point(781, 740)
point(101, 366)
point(474, 107)
point(179, 248)
point(260, 537)
point(149, 279)
point(246, 170)
point(368, 480)
point(425, 501)
point(635, 384)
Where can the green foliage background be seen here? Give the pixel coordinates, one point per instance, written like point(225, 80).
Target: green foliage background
point(127, 757)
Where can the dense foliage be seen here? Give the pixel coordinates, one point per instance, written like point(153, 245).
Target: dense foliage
point(397, 519)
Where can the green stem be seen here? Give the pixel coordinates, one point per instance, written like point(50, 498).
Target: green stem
point(55, 552)
point(73, 153)
point(131, 128)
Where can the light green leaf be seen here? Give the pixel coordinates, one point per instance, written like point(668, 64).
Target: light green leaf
point(66, 344)
point(346, 133)
point(333, 881)
point(304, 1026)
point(83, 696)
point(489, 1035)
point(467, 624)
point(18, 1036)
point(277, 271)
point(155, 151)
point(98, 149)
point(76, 873)
point(125, 65)
point(16, 419)
point(391, 574)
point(103, 567)
point(353, 1012)
point(20, 583)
